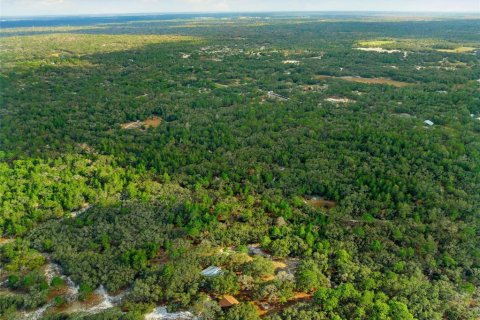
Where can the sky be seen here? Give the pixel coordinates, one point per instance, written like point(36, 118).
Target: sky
point(72, 7)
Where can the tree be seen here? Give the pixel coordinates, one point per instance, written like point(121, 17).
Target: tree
point(399, 311)
point(206, 308)
point(242, 311)
point(280, 247)
point(309, 277)
point(227, 283)
point(259, 267)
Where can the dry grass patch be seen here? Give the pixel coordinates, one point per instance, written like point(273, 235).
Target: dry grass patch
point(279, 265)
point(319, 202)
point(268, 278)
point(432, 44)
point(302, 296)
point(457, 50)
point(385, 81)
point(4, 241)
point(375, 43)
point(390, 82)
point(149, 123)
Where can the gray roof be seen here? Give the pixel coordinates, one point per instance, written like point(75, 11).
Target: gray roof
point(212, 271)
point(430, 123)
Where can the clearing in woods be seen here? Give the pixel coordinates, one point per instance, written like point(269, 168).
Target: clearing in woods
point(319, 202)
point(457, 50)
point(148, 123)
point(390, 82)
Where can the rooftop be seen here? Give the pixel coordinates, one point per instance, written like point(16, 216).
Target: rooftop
point(228, 301)
point(212, 271)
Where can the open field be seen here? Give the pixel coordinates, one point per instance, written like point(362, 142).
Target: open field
point(439, 45)
point(148, 123)
point(458, 50)
point(319, 202)
point(375, 43)
point(385, 81)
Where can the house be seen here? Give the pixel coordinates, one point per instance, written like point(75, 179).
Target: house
point(228, 301)
point(428, 122)
point(212, 271)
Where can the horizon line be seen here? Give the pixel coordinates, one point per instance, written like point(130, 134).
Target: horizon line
point(474, 13)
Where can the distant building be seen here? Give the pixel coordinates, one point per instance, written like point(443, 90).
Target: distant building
point(228, 301)
point(212, 271)
point(428, 122)
point(274, 95)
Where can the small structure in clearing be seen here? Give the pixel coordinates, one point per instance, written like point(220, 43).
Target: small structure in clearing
point(255, 249)
point(291, 62)
point(315, 87)
point(276, 96)
point(148, 123)
point(228, 301)
point(212, 271)
point(428, 122)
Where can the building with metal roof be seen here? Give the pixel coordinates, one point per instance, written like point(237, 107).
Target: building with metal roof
point(212, 271)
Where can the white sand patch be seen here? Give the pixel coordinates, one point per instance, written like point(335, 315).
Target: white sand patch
point(339, 100)
point(379, 50)
point(161, 313)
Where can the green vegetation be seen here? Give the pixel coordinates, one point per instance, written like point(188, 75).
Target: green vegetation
point(313, 209)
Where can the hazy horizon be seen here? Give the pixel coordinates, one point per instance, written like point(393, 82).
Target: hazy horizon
point(44, 8)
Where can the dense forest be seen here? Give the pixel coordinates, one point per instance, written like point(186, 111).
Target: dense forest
point(327, 168)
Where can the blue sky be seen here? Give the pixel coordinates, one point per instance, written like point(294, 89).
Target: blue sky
point(67, 7)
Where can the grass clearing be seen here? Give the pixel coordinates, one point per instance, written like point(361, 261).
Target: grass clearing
point(390, 82)
point(319, 202)
point(148, 123)
point(380, 80)
point(375, 43)
point(457, 50)
point(439, 45)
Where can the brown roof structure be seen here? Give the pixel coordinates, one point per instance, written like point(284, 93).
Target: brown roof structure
point(228, 301)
